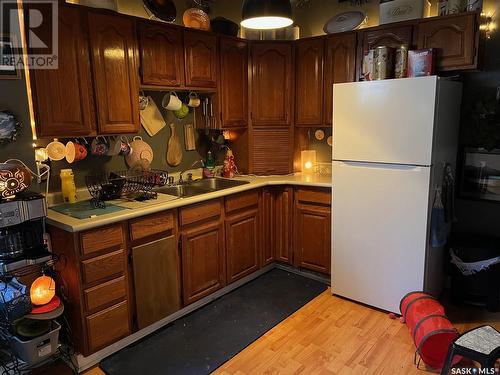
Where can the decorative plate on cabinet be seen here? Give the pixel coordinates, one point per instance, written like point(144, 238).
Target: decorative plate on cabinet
point(346, 21)
point(196, 19)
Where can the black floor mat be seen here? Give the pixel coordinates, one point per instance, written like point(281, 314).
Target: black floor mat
point(203, 340)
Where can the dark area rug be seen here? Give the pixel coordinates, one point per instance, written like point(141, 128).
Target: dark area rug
point(203, 340)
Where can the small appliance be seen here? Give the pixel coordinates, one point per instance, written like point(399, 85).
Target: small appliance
point(22, 222)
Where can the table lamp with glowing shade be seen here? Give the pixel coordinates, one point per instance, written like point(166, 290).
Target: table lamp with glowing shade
point(42, 290)
point(308, 161)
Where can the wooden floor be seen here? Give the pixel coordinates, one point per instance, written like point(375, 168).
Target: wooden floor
point(331, 335)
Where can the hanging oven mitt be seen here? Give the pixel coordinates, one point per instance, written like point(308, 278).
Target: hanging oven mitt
point(438, 225)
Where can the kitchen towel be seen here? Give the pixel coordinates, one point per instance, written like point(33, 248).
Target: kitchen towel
point(438, 224)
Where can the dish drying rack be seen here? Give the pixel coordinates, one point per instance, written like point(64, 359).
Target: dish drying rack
point(130, 184)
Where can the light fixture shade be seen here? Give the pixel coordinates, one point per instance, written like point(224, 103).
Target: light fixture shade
point(308, 161)
point(266, 14)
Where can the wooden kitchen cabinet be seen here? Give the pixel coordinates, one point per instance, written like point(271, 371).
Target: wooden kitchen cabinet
point(309, 82)
point(242, 244)
point(115, 67)
point(63, 97)
point(340, 67)
point(271, 151)
point(267, 225)
point(312, 228)
point(107, 326)
point(203, 250)
point(202, 261)
point(272, 83)
point(243, 235)
point(162, 55)
point(283, 224)
point(455, 39)
point(200, 57)
point(234, 82)
point(93, 281)
point(389, 36)
point(277, 224)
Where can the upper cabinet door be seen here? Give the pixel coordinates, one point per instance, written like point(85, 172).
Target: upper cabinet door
point(309, 82)
point(114, 58)
point(63, 97)
point(162, 56)
point(234, 82)
point(340, 67)
point(387, 36)
point(272, 74)
point(454, 38)
point(200, 54)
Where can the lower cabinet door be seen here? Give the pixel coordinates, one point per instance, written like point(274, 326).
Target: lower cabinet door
point(156, 280)
point(202, 261)
point(283, 208)
point(242, 245)
point(267, 224)
point(313, 237)
point(107, 326)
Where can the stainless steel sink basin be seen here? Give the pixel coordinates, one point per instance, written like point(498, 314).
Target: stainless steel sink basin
point(200, 187)
point(214, 184)
point(182, 190)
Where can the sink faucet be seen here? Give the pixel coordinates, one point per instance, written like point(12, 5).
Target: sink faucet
point(190, 175)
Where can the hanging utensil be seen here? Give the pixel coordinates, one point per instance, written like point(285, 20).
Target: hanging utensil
point(174, 152)
point(189, 140)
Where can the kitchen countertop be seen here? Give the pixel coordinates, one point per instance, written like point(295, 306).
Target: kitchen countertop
point(72, 224)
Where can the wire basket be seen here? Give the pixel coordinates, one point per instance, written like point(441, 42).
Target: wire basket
point(136, 184)
point(15, 308)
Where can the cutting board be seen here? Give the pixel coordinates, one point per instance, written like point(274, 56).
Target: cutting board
point(151, 118)
point(174, 152)
point(189, 141)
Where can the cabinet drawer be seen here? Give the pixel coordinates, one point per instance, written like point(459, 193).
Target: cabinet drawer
point(314, 196)
point(104, 266)
point(101, 239)
point(198, 212)
point(108, 326)
point(242, 200)
point(151, 224)
point(102, 295)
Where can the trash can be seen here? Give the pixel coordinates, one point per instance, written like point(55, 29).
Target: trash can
point(475, 262)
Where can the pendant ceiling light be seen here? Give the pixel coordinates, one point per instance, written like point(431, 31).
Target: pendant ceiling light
point(266, 14)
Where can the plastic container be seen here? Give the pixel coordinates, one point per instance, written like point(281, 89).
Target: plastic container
point(38, 349)
point(431, 330)
point(68, 187)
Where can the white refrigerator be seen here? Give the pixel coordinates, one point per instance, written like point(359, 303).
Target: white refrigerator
point(391, 140)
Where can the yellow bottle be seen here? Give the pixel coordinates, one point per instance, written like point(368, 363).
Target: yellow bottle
point(68, 186)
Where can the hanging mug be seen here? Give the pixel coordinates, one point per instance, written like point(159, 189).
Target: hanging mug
point(193, 100)
point(75, 151)
point(100, 146)
point(171, 101)
point(124, 147)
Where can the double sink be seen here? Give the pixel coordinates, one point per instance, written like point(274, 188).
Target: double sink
point(199, 187)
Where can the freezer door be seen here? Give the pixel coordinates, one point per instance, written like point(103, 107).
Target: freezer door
point(379, 231)
point(389, 121)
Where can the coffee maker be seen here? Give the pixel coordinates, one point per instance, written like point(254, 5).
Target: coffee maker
point(22, 229)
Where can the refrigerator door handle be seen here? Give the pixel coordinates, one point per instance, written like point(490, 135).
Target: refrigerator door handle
point(401, 167)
